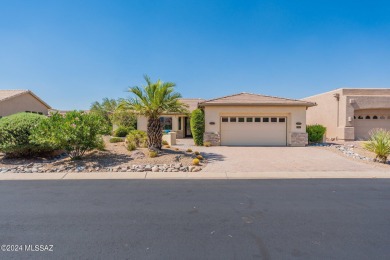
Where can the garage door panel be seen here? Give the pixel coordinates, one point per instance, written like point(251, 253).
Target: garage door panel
point(365, 120)
point(251, 132)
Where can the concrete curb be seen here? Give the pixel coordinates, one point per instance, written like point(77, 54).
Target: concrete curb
point(192, 175)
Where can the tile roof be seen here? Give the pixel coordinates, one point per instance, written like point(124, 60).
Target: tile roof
point(6, 94)
point(192, 102)
point(246, 99)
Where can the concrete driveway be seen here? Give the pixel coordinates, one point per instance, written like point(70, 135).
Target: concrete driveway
point(277, 159)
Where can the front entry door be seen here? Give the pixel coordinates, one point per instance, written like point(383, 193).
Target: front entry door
point(187, 127)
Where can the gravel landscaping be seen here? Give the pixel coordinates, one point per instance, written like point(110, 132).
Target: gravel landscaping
point(115, 158)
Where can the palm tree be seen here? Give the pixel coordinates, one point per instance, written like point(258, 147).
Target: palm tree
point(152, 100)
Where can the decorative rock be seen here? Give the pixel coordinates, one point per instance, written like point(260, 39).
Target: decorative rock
point(155, 169)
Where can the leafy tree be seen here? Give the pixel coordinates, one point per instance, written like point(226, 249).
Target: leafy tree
point(105, 109)
point(75, 132)
point(197, 126)
point(152, 100)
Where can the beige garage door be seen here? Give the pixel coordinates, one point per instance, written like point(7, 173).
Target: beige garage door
point(254, 131)
point(364, 123)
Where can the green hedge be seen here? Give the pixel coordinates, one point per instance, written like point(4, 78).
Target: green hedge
point(15, 135)
point(122, 131)
point(197, 126)
point(315, 133)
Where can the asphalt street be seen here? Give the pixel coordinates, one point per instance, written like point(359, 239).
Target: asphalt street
point(191, 219)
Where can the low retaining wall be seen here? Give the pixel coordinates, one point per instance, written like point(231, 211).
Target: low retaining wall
point(213, 137)
point(299, 139)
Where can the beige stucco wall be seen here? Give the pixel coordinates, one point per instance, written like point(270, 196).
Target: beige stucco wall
point(294, 115)
point(22, 103)
point(338, 116)
point(142, 124)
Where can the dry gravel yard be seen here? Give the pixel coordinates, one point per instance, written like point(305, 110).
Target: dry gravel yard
point(114, 158)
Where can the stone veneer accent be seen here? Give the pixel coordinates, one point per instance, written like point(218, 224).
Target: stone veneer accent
point(299, 139)
point(213, 137)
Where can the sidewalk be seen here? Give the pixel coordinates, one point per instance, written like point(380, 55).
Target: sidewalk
point(193, 175)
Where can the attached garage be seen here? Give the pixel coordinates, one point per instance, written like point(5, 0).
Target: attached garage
point(254, 131)
point(368, 119)
point(247, 119)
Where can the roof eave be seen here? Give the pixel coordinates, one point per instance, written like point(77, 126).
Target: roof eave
point(303, 104)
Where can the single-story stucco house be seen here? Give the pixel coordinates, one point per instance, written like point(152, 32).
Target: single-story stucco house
point(350, 113)
point(179, 123)
point(16, 101)
point(247, 119)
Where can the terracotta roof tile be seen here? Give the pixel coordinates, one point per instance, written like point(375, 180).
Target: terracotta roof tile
point(255, 99)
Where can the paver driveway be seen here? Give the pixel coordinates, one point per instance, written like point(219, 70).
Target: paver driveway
point(277, 159)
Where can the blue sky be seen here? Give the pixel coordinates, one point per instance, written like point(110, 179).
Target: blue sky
point(72, 53)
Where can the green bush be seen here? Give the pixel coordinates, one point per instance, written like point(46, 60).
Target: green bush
point(121, 131)
point(379, 143)
point(315, 133)
point(116, 140)
point(153, 154)
point(15, 135)
point(136, 138)
point(75, 132)
point(197, 126)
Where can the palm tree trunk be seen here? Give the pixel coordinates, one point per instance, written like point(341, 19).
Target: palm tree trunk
point(154, 134)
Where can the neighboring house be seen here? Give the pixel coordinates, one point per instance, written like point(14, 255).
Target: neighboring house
point(350, 114)
point(16, 101)
point(179, 123)
point(255, 120)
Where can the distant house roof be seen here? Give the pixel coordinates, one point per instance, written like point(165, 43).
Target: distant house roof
point(6, 94)
point(191, 102)
point(249, 99)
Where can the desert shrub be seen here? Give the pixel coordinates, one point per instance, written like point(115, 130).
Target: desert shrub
point(167, 146)
point(101, 146)
point(153, 154)
point(75, 132)
point(189, 150)
point(176, 149)
point(121, 131)
point(200, 157)
point(196, 153)
point(141, 138)
point(164, 142)
point(15, 135)
point(379, 143)
point(195, 161)
point(197, 126)
point(207, 144)
point(315, 132)
point(131, 144)
point(116, 140)
point(136, 138)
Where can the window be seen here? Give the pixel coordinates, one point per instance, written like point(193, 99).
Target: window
point(233, 119)
point(354, 117)
point(241, 119)
point(282, 120)
point(166, 123)
point(374, 117)
point(179, 122)
point(249, 119)
point(368, 117)
point(274, 119)
point(225, 119)
point(40, 113)
point(265, 119)
point(257, 119)
point(360, 117)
